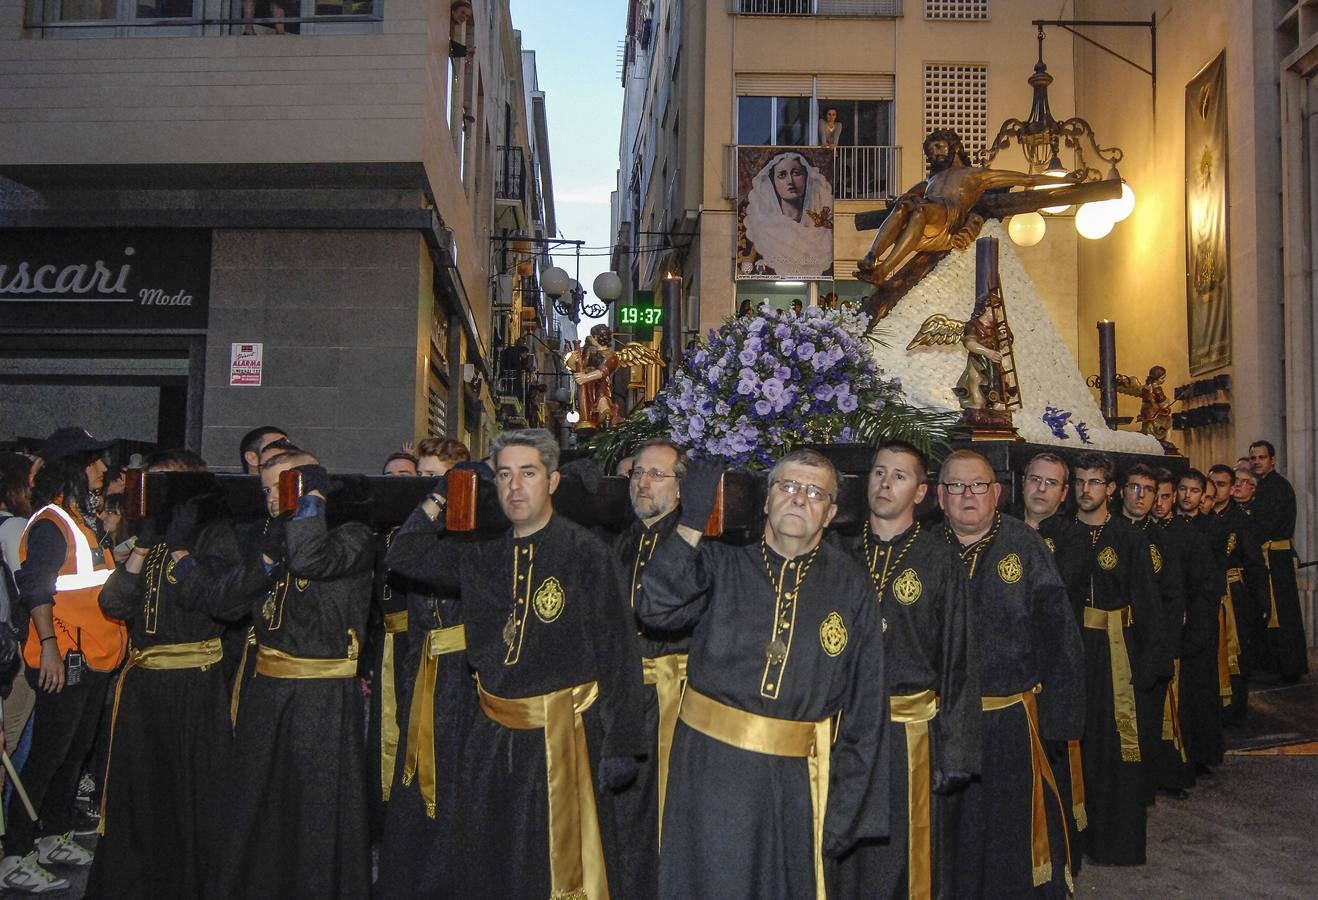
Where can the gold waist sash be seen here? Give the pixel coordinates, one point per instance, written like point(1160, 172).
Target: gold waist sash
point(1268, 547)
point(1040, 849)
point(394, 623)
point(1114, 622)
point(668, 675)
point(1171, 712)
point(195, 655)
point(1075, 762)
point(1228, 637)
point(914, 711)
point(419, 756)
point(576, 853)
point(744, 730)
point(274, 663)
point(248, 643)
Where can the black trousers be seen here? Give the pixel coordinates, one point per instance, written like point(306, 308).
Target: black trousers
point(63, 729)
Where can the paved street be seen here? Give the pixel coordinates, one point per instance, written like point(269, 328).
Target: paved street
point(1248, 831)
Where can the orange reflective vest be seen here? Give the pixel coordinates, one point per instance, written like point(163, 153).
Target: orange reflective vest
point(79, 622)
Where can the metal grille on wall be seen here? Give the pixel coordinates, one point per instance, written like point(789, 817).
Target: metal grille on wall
point(962, 10)
point(956, 97)
point(437, 415)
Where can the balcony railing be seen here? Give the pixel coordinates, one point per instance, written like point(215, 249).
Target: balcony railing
point(510, 174)
point(859, 172)
point(889, 9)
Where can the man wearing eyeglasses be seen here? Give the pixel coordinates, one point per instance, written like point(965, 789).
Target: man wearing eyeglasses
point(1165, 766)
point(785, 639)
point(1047, 483)
point(1120, 628)
point(655, 488)
point(1011, 837)
point(933, 685)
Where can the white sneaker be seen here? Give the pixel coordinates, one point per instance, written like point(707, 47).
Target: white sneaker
point(24, 874)
point(62, 850)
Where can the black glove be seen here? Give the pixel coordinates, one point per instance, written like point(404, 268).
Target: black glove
point(479, 466)
point(274, 543)
point(183, 525)
point(699, 491)
point(314, 478)
point(949, 782)
point(585, 470)
point(148, 533)
point(615, 773)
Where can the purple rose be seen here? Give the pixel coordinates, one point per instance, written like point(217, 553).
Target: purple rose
point(847, 403)
point(782, 332)
point(763, 407)
point(782, 373)
point(824, 392)
point(805, 351)
point(773, 389)
point(747, 357)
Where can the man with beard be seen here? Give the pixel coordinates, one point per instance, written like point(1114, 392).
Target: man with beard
point(1046, 485)
point(170, 730)
point(1012, 835)
point(785, 638)
point(1235, 541)
point(933, 686)
point(655, 486)
point(1194, 684)
point(558, 680)
point(297, 818)
point(1159, 726)
point(1274, 514)
point(1122, 615)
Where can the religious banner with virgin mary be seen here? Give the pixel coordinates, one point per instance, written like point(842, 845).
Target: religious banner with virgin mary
point(1207, 281)
point(785, 213)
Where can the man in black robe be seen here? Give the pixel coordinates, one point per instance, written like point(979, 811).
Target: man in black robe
point(1031, 675)
point(1047, 483)
point(1235, 542)
point(785, 638)
point(1165, 764)
point(170, 732)
point(558, 681)
point(933, 687)
point(1122, 614)
point(1206, 684)
point(1274, 515)
point(297, 817)
point(655, 490)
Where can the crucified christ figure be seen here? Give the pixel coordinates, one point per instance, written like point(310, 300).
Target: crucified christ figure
point(936, 214)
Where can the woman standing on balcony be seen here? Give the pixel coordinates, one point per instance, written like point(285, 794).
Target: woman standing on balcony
point(830, 129)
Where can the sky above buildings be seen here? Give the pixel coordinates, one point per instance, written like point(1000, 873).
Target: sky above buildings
point(576, 48)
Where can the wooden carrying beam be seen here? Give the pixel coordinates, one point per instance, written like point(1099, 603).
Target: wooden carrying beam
point(1001, 204)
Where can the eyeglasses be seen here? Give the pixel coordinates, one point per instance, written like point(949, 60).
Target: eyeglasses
point(812, 492)
point(1139, 489)
point(1039, 481)
point(1090, 482)
point(956, 488)
point(652, 474)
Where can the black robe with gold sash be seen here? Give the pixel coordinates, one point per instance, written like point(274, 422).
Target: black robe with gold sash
point(542, 614)
point(172, 738)
point(296, 815)
point(1237, 548)
point(924, 604)
point(1025, 638)
point(638, 806)
point(1274, 514)
point(1122, 629)
point(1201, 702)
point(798, 640)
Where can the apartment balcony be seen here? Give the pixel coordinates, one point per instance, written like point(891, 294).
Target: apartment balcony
point(868, 9)
point(510, 188)
point(859, 172)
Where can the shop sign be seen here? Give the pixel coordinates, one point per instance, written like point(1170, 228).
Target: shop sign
point(104, 278)
point(245, 361)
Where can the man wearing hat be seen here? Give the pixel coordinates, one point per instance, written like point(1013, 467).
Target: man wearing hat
point(71, 649)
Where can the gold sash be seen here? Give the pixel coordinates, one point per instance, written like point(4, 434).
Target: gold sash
point(915, 711)
point(1114, 621)
point(1040, 849)
point(195, 655)
point(420, 752)
point(274, 663)
point(1171, 711)
point(236, 695)
point(1268, 547)
point(576, 853)
point(1228, 637)
point(1076, 763)
point(776, 737)
point(668, 675)
point(394, 623)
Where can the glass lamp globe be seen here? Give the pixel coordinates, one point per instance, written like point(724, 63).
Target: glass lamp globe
point(1093, 221)
point(1026, 229)
point(555, 282)
point(607, 286)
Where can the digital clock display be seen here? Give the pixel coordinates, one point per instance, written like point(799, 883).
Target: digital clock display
point(649, 316)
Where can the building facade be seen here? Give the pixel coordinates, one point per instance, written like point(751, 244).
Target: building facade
point(218, 214)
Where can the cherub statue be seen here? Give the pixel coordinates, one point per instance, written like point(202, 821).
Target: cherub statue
point(987, 341)
point(1155, 416)
point(592, 367)
point(936, 214)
